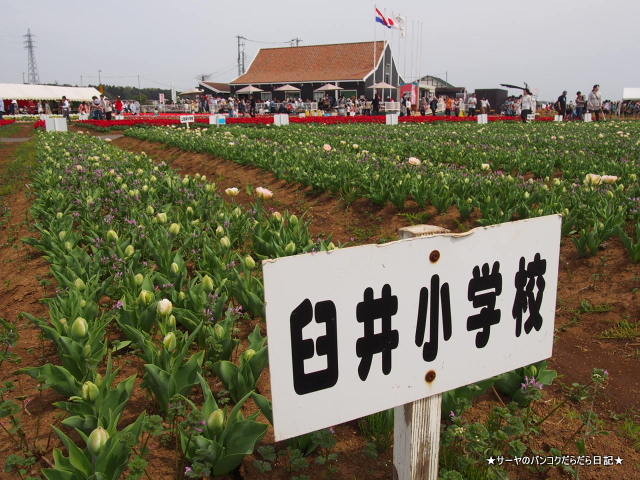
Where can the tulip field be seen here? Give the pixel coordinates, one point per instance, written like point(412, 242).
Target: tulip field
point(498, 173)
point(148, 347)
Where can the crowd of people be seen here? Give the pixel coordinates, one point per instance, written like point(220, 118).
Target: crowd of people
point(103, 108)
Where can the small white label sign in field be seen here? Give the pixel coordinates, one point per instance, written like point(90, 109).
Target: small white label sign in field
point(187, 119)
point(359, 330)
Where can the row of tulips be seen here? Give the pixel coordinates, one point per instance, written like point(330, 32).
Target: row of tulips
point(495, 173)
point(166, 120)
point(6, 121)
point(170, 266)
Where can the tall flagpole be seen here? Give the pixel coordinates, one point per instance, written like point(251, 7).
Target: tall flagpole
point(374, 52)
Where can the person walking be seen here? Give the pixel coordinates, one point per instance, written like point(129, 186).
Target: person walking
point(528, 105)
point(581, 103)
point(472, 103)
point(484, 106)
point(561, 104)
point(118, 105)
point(594, 102)
point(1, 108)
point(65, 107)
point(108, 108)
point(433, 104)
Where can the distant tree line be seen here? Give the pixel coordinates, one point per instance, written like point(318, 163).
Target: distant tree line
point(143, 95)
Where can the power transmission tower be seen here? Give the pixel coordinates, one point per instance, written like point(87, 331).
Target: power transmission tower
point(241, 55)
point(32, 67)
point(296, 41)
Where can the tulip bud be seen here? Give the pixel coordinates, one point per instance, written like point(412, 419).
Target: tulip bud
point(215, 421)
point(169, 342)
point(145, 297)
point(150, 210)
point(171, 322)
point(331, 246)
point(293, 219)
point(219, 230)
point(83, 303)
point(248, 354)
point(68, 245)
point(174, 229)
point(63, 322)
point(189, 210)
point(182, 295)
point(277, 216)
point(58, 214)
point(236, 212)
point(62, 234)
point(250, 262)
point(79, 328)
point(185, 180)
point(207, 283)
point(225, 242)
point(218, 331)
point(112, 236)
point(90, 391)
point(138, 278)
point(86, 351)
point(290, 248)
point(164, 307)
point(161, 217)
point(175, 268)
point(129, 251)
point(97, 439)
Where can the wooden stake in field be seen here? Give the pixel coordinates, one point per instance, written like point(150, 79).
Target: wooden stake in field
point(416, 431)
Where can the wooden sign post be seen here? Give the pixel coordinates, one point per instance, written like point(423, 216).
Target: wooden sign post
point(416, 430)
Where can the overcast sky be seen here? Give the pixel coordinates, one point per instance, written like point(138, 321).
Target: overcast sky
point(551, 44)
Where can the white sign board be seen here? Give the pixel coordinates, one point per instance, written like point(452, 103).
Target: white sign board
point(531, 117)
point(187, 119)
point(55, 124)
point(281, 119)
point(586, 117)
point(217, 119)
point(557, 118)
point(483, 118)
point(392, 119)
point(359, 330)
point(119, 117)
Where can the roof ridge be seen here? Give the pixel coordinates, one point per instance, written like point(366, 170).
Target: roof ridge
point(323, 45)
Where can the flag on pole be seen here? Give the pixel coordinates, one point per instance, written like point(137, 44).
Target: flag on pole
point(380, 18)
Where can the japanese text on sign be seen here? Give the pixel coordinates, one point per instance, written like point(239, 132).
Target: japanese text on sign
point(354, 331)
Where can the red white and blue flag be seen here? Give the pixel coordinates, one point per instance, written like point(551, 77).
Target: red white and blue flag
point(386, 21)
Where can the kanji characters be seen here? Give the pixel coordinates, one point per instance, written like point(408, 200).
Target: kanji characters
point(483, 289)
point(303, 349)
point(526, 280)
point(367, 312)
point(439, 295)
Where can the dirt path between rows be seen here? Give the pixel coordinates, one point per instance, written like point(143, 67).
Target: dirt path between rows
point(24, 281)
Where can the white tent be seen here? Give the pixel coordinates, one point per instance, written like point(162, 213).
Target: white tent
point(328, 87)
point(631, 94)
point(20, 91)
point(248, 90)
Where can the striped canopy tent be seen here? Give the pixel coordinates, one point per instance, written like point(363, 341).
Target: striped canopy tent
point(21, 91)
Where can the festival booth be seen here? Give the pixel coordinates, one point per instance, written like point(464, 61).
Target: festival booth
point(631, 94)
point(28, 95)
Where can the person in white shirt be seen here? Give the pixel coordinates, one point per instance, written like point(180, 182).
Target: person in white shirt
point(472, 104)
point(65, 106)
point(1, 108)
point(528, 105)
point(594, 102)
